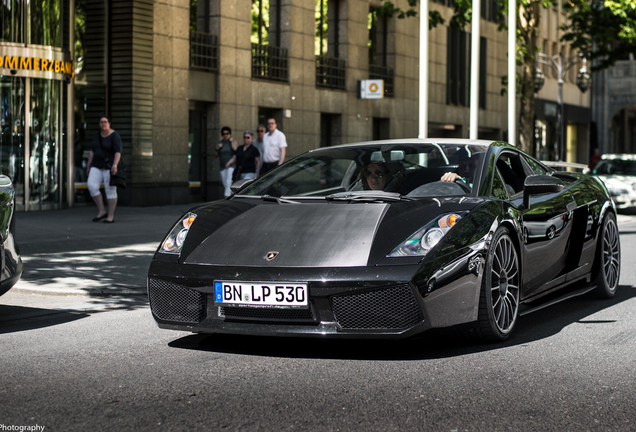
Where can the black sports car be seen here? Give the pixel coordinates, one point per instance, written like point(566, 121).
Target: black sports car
point(388, 239)
point(11, 264)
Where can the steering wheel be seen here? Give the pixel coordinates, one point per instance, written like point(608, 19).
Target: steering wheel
point(461, 183)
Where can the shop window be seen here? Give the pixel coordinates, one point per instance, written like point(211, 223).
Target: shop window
point(45, 22)
point(11, 20)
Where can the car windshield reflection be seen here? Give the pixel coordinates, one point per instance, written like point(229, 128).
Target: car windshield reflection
point(393, 171)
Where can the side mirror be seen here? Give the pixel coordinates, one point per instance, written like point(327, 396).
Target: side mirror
point(540, 184)
point(240, 184)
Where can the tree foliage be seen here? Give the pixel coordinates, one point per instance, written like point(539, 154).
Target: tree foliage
point(603, 31)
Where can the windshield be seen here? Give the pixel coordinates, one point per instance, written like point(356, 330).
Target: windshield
point(412, 170)
point(616, 167)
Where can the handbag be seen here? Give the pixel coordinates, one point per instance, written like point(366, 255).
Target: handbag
point(118, 179)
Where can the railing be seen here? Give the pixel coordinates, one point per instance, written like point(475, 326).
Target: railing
point(330, 72)
point(204, 51)
point(270, 63)
point(386, 74)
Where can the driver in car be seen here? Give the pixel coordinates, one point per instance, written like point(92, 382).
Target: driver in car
point(375, 176)
point(465, 171)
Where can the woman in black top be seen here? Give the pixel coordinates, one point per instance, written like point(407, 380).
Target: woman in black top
point(247, 158)
point(106, 151)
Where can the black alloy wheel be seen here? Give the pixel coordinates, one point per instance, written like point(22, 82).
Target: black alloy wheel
point(500, 290)
point(608, 257)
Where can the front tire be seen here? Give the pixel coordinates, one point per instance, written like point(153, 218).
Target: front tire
point(500, 290)
point(608, 259)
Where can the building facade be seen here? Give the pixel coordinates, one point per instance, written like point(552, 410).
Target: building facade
point(614, 112)
point(171, 73)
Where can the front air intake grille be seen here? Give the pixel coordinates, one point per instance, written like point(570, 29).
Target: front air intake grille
point(393, 308)
point(267, 314)
point(172, 302)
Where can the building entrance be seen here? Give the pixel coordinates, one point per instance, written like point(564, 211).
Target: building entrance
point(31, 140)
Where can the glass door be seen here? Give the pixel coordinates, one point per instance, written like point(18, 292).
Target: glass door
point(44, 149)
point(12, 108)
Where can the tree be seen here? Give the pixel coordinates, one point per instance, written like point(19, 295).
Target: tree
point(603, 31)
point(528, 20)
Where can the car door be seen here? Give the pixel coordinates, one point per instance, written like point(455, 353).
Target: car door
point(545, 223)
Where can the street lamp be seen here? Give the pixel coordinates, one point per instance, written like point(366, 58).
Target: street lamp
point(560, 66)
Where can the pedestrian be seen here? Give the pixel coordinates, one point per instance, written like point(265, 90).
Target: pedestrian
point(224, 151)
point(105, 154)
point(274, 147)
point(595, 158)
point(258, 143)
point(247, 159)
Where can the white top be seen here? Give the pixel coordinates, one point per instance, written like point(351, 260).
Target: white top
point(272, 145)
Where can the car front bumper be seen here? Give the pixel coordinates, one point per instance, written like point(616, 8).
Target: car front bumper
point(356, 302)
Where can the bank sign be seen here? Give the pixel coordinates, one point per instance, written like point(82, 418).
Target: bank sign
point(35, 63)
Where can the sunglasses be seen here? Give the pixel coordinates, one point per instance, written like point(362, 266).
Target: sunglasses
point(247, 136)
point(370, 174)
point(260, 131)
point(225, 133)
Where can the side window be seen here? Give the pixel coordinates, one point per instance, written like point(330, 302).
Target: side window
point(535, 167)
point(498, 187)
point(512, 172)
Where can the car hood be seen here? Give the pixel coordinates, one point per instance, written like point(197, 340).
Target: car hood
point(618, 181)
point(305, 235)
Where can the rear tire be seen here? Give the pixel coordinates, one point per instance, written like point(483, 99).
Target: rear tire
point(500, 290)
point(608, 259)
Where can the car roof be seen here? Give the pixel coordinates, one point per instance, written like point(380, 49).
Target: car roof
point(622, 156)
point(460, 141)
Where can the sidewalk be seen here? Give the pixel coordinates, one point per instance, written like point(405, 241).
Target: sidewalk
point(65, 253)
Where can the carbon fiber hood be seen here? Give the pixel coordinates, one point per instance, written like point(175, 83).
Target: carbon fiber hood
point(304, 235)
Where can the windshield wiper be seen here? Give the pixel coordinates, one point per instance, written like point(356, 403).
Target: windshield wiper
point(367, 196)
point(279, 200)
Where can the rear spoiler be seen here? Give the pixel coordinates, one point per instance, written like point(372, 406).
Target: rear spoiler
point(562, 166)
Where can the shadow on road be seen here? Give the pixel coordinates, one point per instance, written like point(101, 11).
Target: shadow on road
point(536, 326)
point(20, 318)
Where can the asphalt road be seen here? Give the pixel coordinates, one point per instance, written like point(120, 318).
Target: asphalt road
point(82, 363)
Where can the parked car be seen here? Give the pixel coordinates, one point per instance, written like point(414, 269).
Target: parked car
point(366, 241)
point(11, 266)
point(618, 172)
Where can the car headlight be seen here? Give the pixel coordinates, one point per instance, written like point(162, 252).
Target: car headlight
point(174, 241)
point(617, 191)
point(426, 238)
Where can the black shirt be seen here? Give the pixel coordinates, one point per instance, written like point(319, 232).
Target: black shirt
point(104, 152)
point(246, 159)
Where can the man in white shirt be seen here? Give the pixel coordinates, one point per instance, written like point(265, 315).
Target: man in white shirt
point(274, 147)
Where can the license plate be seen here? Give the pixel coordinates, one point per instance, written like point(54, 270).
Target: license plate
point(271, 294)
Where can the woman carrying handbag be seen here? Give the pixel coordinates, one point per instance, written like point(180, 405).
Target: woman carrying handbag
point(105, 154)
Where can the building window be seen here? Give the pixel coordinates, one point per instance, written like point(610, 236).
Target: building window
point(330, 70)
point(378, 51)
point(269, 61)
point(483, 71)
point(490, 10)
point(456, 68)
point(330, 129)
point(204, 51)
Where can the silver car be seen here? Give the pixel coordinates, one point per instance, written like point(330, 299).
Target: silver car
point(618, 172)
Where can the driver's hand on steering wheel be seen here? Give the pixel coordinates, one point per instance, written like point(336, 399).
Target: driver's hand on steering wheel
point(450, 177)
